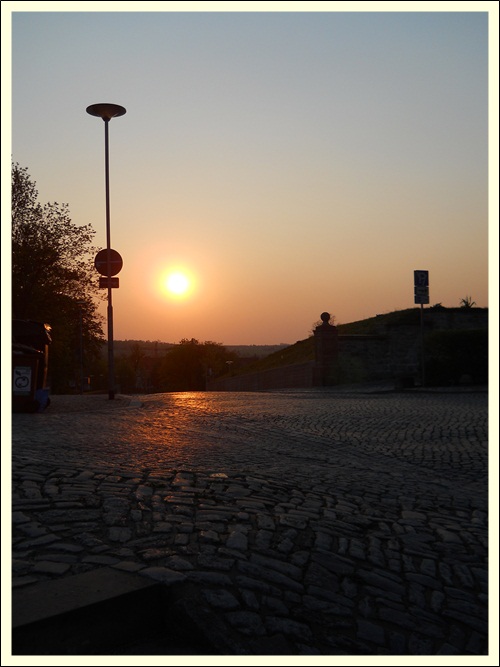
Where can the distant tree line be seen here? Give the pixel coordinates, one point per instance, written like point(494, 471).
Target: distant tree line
point(183, 367)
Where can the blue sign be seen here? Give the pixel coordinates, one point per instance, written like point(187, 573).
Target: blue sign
point(421, 278)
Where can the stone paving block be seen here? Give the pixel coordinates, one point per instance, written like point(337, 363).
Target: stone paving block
point(18, 582)
point(118, 534)
point(209, 536)
point(424, 580)
point(237, 540)
point(268, 575)
point(278, 565)
point(51, 567)
point(338, 565)
point(385, 580)
point(20, 566)
point(275, 605)
point(463, 574)
point(162, 527)
point(265, 522)
point(214, 562)
point(397, 643)
point(32, 529)
point(285, 546)
point(217, 578)
point(177, 563)
point(128, 566)
point(247, 622)
point(263, 539)
point(370, 632)
point(330, 596)
point(291, 520)
point(163, 574)
point(420, 645)
point(251, 584)
point(221, 599)
point(43, 540)
point(288, 627)
point(250, 600)
point(99, 559)
point(476, 644)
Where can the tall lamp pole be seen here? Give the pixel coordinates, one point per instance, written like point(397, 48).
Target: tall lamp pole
point(107, 112)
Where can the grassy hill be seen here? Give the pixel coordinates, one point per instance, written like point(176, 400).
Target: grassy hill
point(303, 350)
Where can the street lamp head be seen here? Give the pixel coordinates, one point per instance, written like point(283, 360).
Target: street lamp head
point(106, 111)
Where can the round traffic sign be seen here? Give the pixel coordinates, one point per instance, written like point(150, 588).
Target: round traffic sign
point(101, 262)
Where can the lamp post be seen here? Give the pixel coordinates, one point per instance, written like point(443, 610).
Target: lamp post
point(107, 112)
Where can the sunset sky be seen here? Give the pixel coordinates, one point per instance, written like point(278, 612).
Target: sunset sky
point(286, 163)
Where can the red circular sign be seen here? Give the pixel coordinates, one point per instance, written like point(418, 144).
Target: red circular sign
point(101, 262)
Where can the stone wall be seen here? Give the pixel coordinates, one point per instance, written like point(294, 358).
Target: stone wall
point(287, 377)
point(394, 352)
point(363, 358)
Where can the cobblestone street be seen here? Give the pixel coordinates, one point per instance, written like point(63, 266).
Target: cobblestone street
point(318, 522)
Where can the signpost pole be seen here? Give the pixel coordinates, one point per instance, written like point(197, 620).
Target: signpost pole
point(422, 342)
point(421, 291)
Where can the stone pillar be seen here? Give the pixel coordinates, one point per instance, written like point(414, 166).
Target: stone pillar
point(326, 352)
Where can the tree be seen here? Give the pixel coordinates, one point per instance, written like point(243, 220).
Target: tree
point(187, 365)
point(53, 278)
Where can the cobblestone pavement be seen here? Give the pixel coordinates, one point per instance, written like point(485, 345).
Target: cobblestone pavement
point(307, 522)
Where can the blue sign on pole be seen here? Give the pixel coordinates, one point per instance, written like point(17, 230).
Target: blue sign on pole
point(421, 278)
point(421, 286)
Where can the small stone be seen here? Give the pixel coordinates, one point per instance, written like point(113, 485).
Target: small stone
point(162, 527)
point(118, 534)
point(49, 567)
point(209, 536)
point(238, 541)
point(247, 622)
point(163, 574)
point(221, 599)
point(178, 563)
point(128, 566)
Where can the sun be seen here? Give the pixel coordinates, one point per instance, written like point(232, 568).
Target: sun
point(177, 283)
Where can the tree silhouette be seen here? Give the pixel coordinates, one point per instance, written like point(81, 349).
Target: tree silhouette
point(53, 278)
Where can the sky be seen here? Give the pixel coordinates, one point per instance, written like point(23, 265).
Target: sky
point(286, 162)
